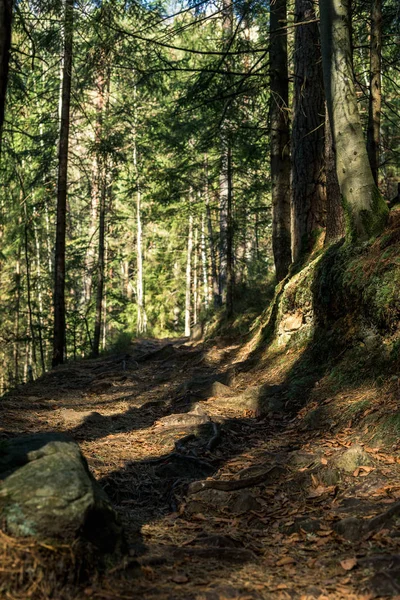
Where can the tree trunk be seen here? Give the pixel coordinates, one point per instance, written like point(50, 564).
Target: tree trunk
point(204, 263)
point(365, 208)
point(105, 190)
point(6, 7)
point(375, 89)
point(188, 303)
point(280, 145)
point(195, 278)
point(17, 315)
point(335, 226)
point(308, 148)
point(141, 326)
point(214, 272)
point(59, 285)
point(230, 281)
point(100, 263)
point(225, 196)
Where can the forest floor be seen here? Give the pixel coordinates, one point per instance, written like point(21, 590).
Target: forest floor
point(218, 502)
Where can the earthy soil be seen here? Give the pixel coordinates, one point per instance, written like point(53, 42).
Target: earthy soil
point(217, 501)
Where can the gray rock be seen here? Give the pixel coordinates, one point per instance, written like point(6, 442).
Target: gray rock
point(47, 492)
point(351, 528)
point(350, 459)
point(245, 503)
point(215, 389)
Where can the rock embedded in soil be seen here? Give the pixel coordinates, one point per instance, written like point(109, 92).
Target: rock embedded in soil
point(350, 459)
point(48, 493)
point(214, 390)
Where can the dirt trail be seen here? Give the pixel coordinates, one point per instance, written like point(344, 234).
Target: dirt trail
point(217, 502)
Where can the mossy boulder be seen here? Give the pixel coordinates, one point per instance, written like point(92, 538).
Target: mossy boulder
point(48, 493)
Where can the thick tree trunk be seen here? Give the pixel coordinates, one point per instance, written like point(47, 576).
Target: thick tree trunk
point(280, 145)
point(364, 206)
point(375, 89)
point(6, 7)
point(59, 286)
point(308, 147)
point(335, 226)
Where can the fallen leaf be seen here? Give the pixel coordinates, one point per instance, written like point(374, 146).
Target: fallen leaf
point(324, 461)
point(320, 491)
point(362, 471)
point(324, 532)
point(286, 560)
point(348, 564)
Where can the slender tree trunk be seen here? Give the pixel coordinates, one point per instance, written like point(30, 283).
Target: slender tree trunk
point(188, 301)
point(29, 288)
point(59, 285)
point(105, 300)
point(195, 278)
point(230, 273)
point(141, 311)
point(204, 263)
point(365, 208)
point(280, 144)
point(308, 149)
point(6, 9)
point(214, 271)
point(375, 89)
point(335, 226)
point(105, 189)
point(39, 297)
point(100, 263)
point(225, 196)
point(17, 314)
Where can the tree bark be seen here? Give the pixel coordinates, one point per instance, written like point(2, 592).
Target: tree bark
point(6, 9)
point(335, 226)
point(204, 262)
point(375, 89)
point(59, 285)
point(280, 145)
point(100, 263)
point(214, 271)
point(308, 148)
point(141, 310)
point(105, 190)
point(225, 196)
point(365, 208)
point(188, 300)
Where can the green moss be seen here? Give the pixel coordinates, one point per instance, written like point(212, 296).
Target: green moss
point(373, 221)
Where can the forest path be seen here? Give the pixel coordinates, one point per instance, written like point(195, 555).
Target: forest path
point(217, 502)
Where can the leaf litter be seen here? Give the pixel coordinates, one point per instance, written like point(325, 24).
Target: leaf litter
point(254, 517)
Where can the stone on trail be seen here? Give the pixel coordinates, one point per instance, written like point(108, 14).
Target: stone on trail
point(47, 492)
point(350, 459)
point(214, 390)
point(261, 399)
